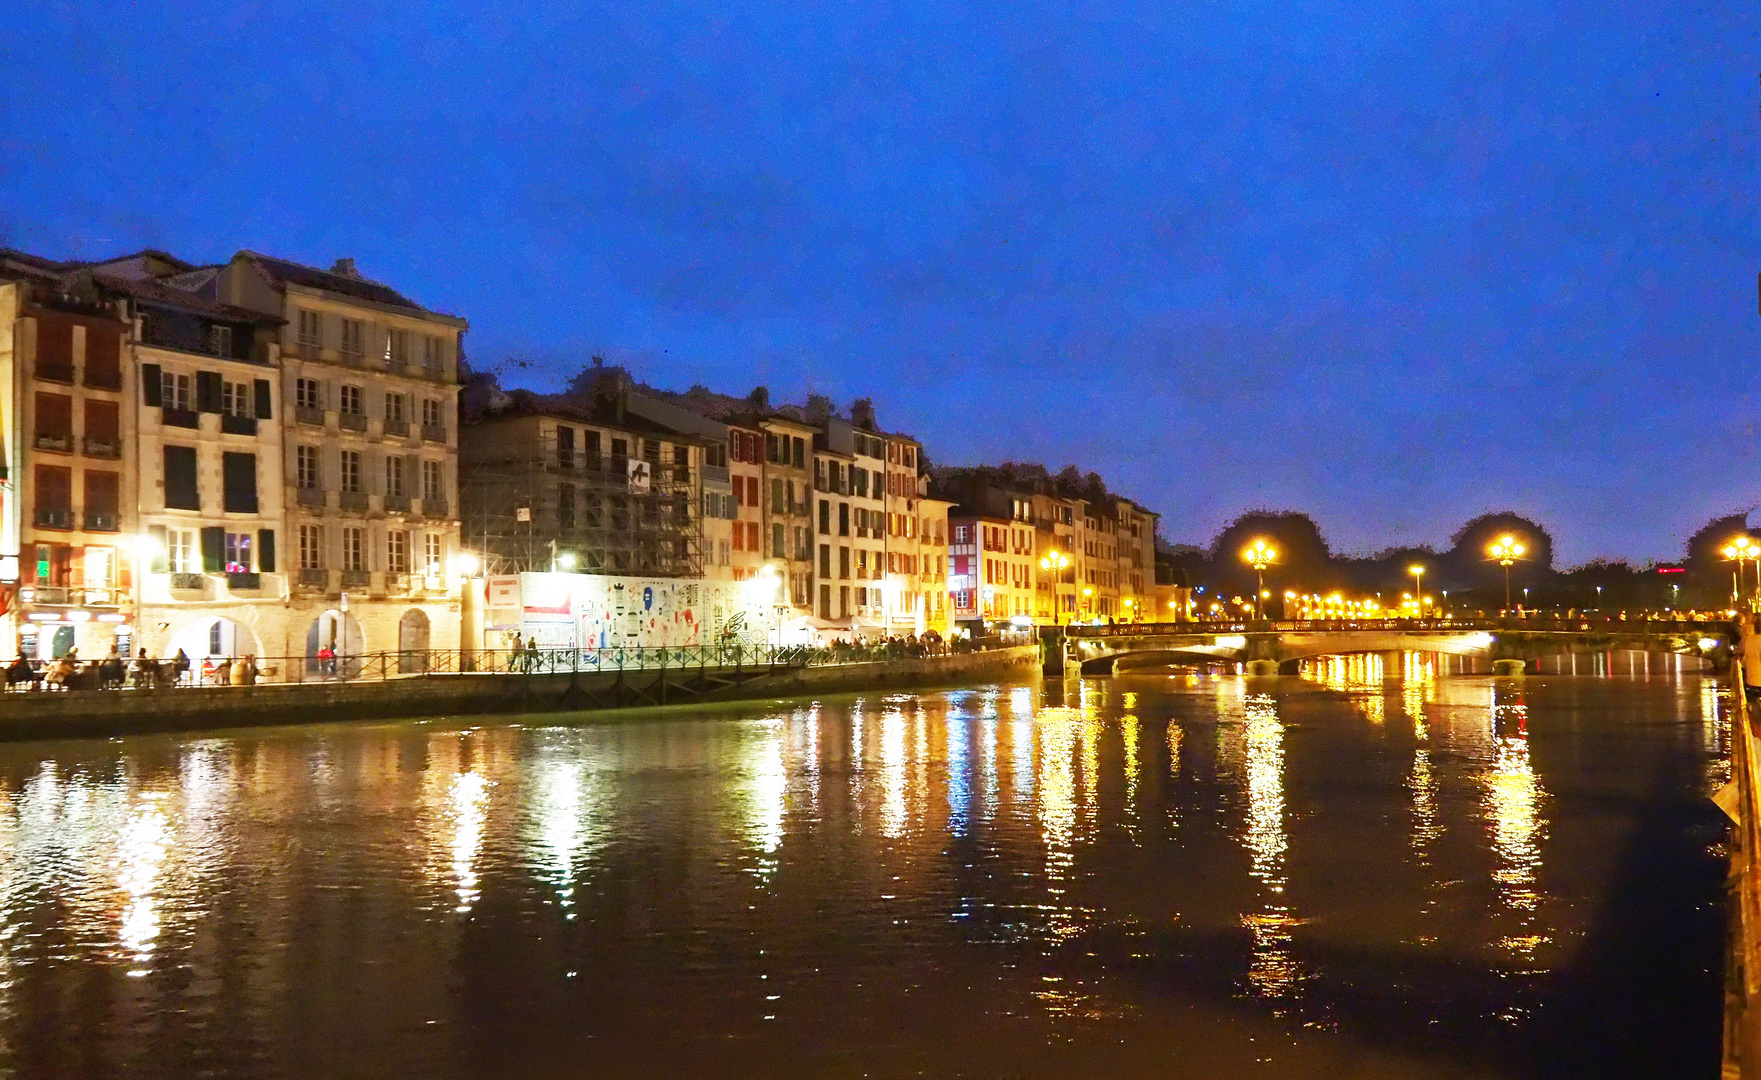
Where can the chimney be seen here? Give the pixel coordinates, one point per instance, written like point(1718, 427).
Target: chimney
point(345, 268)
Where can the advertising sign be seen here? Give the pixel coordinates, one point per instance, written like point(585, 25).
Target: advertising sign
point(641, 475)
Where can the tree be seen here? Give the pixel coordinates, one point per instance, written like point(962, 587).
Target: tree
point(1305, 563)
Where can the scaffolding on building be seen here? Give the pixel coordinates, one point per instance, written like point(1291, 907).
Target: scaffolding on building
point(539, 507)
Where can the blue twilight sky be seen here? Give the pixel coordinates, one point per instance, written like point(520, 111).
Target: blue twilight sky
point(1391, 264)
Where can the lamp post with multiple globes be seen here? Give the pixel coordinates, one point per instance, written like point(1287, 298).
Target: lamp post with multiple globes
point(1056, 560)
point(1504, 551)
point(1259, 555)
point(1738, 551)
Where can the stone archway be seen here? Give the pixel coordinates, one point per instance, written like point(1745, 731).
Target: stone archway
point(211, 637)
point(341, 634)
point(412, 642)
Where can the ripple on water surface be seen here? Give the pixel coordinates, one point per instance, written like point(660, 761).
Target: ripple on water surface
point(1375, 869)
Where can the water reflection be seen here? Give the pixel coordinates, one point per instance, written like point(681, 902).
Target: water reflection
point(466, 798)
point(291, 880)
point(1513, 798)
point(1271, 971)
point(141, 849)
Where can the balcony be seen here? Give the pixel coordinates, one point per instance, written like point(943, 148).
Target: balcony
point(715, 474)
point(352, 421)
point(397, 504)
point(434, 433)
point(100, 521)
point(353, 500)
point(351, 357)
point(54, 518)
point(238, 425)
point(397, 583)
point(308, 349)
point(184, 418)
point(400, 428)
point(185, 582)
point(61, 373)
point(47, 441)
point(305, 415)
point(434, 508)
point(237, 580)
point(396, 364)
point(309, 496)
point(102, 448)
point(101, 379)
point(355, 578)
point(314, 576)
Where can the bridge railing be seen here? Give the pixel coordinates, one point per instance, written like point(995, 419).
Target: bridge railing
point(1741, 799)
point(1556, 624)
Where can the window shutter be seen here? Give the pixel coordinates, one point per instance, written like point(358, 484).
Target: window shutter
point(152, 384)
point(413, 476)
point(265, 409)
point(208, 391)
point(266, 550)
point(214, 549)
point(161, 548)
point(238, 474)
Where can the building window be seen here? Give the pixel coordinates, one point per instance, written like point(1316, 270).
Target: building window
point(235, 399)
point(349, 401)
point(394, 477)
point(432, 488)
point(220, 340)
point(181, 552)
point(238, 553)
point(351, 471)
point(306, 467)
point(308, 394)
point(353, 337)
point(430, 413)
point(776, 541)
point(431, 347)
point(565, 447)
point(311, 329)
point(397, 551)
point(175, 391)
point(397, 348)
point(311, 547)
point(433, 554)
point(353, 550)
point(394, 408)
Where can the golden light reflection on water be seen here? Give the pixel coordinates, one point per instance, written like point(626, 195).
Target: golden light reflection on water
point(768, 785)
point(892, 774)
point(140, 854)
point(1057, 728)
point(561, 831)
point(1714, 734)
point(467, 797)
point(1512, 797)
point(1128, 729)
point(1271, 971)
point(1415, 693)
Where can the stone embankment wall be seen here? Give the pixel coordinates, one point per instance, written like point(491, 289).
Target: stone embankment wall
point(104, 713)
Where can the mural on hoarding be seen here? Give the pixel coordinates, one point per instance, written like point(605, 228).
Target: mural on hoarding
point(591, 611)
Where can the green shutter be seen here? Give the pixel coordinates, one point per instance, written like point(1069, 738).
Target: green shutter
point(214, 549)
point(266, 550)
point(161, 549)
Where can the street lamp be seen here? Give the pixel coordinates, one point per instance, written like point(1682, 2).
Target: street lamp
point(1260, 555)
point(1504, 551)
point(1739, 549)
point(1418, 574)
point(1055, 560)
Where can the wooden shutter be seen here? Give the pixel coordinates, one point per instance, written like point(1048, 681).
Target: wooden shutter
point(265, 408)
point(208, 391)
point(266, 550)
point(214, 549)
point(152, 384)
point(161, 548)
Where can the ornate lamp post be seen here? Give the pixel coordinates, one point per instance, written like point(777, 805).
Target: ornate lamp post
point(1739, 549)
point(1259, 555)
point(1504, 551)
point(1055, 560)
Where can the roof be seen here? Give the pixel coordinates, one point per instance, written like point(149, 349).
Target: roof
point(148, 291)
point(527, 405)
point(281, 272)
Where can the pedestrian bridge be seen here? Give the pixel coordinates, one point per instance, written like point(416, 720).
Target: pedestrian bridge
point(1282, 646)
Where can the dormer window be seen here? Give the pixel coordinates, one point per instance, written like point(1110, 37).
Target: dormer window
point(220, 340)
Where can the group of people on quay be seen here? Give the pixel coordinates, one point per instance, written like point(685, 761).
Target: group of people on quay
point(69, 672)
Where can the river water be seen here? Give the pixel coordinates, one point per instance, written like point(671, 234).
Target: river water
point(1372, 870)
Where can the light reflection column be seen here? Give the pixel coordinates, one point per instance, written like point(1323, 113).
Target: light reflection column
point(1271, 972)
point(1512, 800)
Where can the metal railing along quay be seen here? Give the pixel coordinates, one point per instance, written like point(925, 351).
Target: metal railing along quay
point(1741, 800)
point(383, 666)
point(1560, 624)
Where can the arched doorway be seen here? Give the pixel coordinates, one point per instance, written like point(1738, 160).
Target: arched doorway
point(338, 632)
point(412, 641)
point(211, 637)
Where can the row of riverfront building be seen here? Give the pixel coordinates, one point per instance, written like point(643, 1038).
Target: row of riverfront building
point(271, 458)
